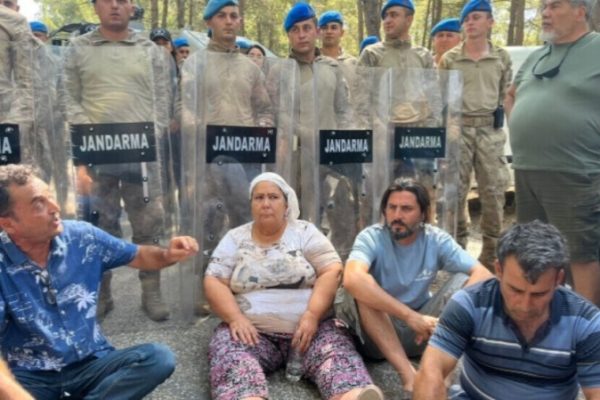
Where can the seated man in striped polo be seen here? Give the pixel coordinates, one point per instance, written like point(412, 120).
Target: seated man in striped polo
point(521, 335)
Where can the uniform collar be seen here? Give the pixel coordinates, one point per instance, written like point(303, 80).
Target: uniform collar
point(493, 53)
point(294, 56)
point(219, 48)
point(398, 43)
point(96, 38)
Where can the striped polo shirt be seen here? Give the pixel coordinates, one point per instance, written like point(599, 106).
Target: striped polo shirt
point(498, 363)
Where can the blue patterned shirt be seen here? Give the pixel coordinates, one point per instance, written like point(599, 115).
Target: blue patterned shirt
point(499, 363)
point(48, 315)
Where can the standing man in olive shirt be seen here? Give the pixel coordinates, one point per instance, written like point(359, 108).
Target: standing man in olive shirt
point(486, 72)
point(555, 136)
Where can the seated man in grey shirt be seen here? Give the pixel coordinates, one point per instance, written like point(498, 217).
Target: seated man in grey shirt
point(388, 275)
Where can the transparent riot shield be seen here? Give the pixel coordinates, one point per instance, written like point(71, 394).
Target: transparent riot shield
point(32, 126)
point(118, 102)
point(237, 122)
point(423, 135)
point(341, 157)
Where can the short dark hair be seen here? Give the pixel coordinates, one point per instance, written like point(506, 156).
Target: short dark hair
point(408, 185)
point(13, 174)
point(537, 246)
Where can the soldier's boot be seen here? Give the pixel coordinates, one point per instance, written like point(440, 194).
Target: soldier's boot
point(152, 303)
point(488, 253)
point(105, 300)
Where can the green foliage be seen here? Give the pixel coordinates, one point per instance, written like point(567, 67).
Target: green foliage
point(263, 19)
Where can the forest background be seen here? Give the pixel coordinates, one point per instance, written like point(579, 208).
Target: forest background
point(518, 22)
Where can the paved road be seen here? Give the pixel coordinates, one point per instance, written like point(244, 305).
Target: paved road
point(127, 325)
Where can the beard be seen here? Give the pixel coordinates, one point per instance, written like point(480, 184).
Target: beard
point(408, 230)
point(548, 37)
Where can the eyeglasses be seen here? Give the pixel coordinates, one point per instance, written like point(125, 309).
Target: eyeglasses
point(47, 289)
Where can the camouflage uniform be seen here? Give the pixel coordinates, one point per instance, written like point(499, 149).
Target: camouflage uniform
point(348, 64)
point(23, 65)
point(121, 82)
point(412, 102)
point(235, 88)
point(331, 111)
point(482, 146)
point(230, 90)
point(396, 53)
point(16, 79)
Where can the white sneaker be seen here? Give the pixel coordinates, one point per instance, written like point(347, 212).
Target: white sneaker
point(370, 392)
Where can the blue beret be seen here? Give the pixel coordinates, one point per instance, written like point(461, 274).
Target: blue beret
point(300, 12)
point(331, 16)
point(402, 3)
point(243, 43)
point(475, 5)
point(180, 42)
point(214, 6)
point(369, 40)
point(37, 26)
point(446, 25)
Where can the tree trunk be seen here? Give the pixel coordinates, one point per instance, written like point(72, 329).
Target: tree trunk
point(360, 22)
point(180, 13)
point(154, 13)
point(241, 5)
point(426, 20)
point(516, 25)
point(372, 16)
point(191, 14)
point(165, 13)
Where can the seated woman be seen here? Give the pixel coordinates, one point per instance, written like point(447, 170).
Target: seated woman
point(272, 281)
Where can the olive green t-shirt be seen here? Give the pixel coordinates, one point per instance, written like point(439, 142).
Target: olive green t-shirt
point(555, 122)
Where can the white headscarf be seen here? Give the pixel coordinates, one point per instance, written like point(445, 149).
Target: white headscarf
point(293, 210)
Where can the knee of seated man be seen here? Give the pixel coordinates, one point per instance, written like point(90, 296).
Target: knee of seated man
point(160, 360)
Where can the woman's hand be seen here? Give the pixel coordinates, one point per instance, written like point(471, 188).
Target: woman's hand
point(242, 330)
point(305, 332)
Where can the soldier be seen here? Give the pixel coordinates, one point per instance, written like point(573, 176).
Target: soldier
point(445, 35)
point(220, 87)
point(39, 30)
point(21, 74)
point(108, 81)
point(248, 104)
point(322, 82)
point(14, 68)
point(396, 51)
point(331, 27)
point(369, 40)
point(486, 73)
point(302, 31)
point(162, 37)
point(182, 49)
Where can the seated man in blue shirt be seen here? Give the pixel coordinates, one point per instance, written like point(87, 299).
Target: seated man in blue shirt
point(521, 335)
point(49, 275)
point(388, 275)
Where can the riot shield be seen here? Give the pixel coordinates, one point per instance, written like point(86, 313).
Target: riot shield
point(118, 102)
point(31, 122)
point(341, 156)
point(423, 136)
point(237, 122)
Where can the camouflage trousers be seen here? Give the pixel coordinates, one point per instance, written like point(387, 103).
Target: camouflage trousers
point(482, 151)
